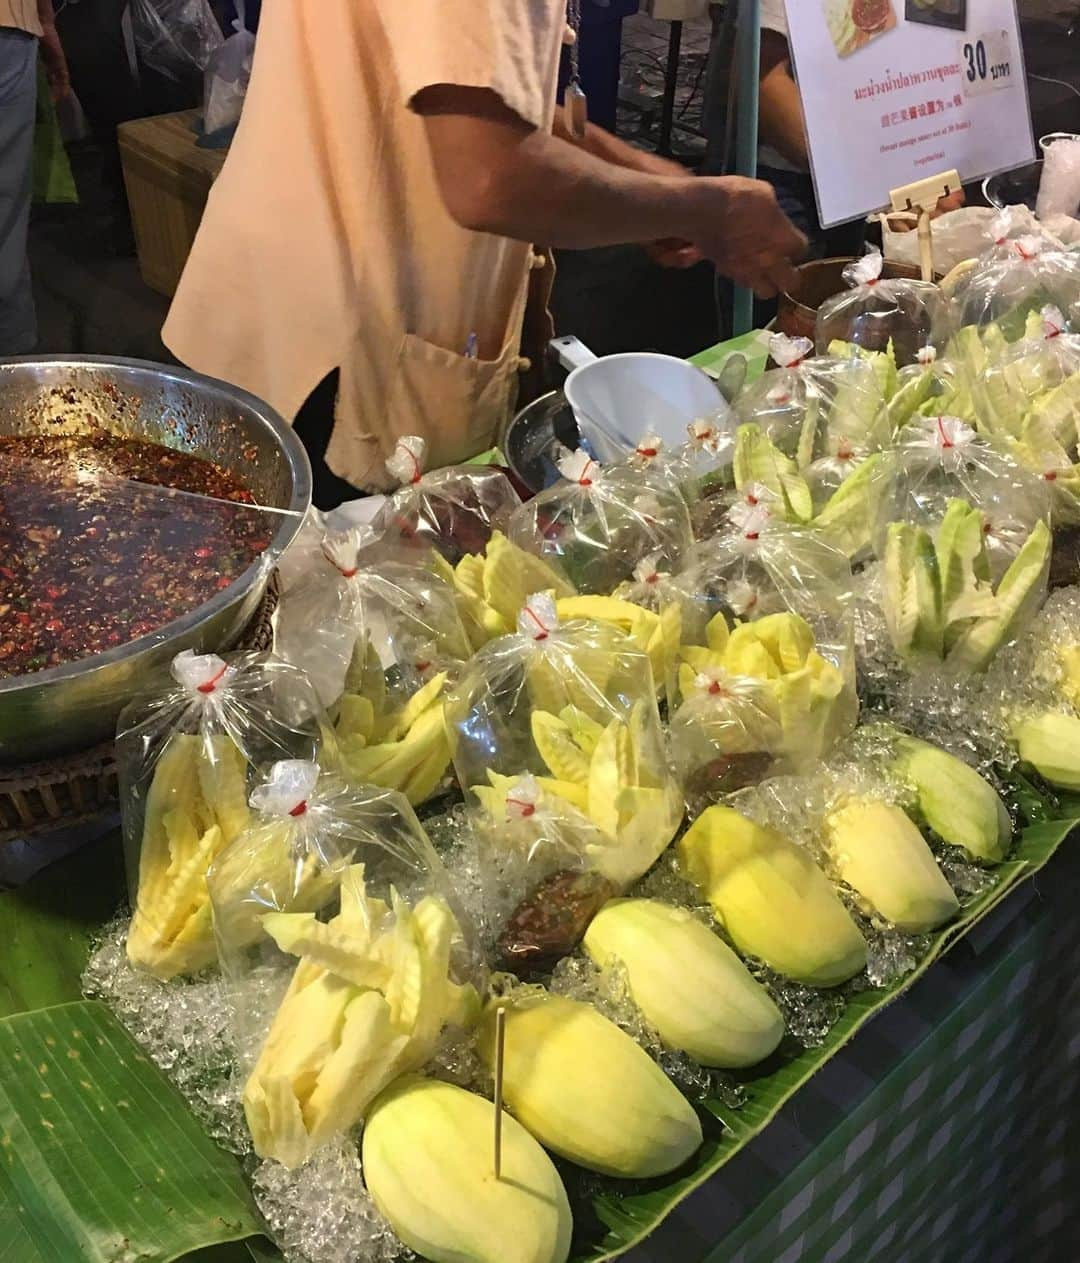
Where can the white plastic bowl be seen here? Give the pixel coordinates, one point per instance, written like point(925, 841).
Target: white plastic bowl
point(618, 399)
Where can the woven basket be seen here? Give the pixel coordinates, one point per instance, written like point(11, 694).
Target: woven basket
point(79, 787)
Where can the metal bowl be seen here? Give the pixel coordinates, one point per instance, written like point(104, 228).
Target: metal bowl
point(74, 706)
point(1019, 187)
point(534, 436)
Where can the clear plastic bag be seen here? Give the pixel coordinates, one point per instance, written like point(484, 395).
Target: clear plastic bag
point(175, 37)
point(1028, 402)
point(941, 459)
point(761, 565)
point(535, 857)
point(875, 312)
point(345, 604)
point(760, 698)
point(753, 701)
point(1018, 276)
point(598, 524)
point(452, 510)
point(956, 237)
point(820, 418)
point(932, 386)
point(225, 81)
point(346, 954)
point(185, 755)
point(383, 642)
point(573, 704)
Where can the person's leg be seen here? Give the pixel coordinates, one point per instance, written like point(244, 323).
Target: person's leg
point(18, 97)
point(313, 426)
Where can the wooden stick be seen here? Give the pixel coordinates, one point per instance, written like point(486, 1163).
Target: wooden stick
point(926, 247)
point(500, 1045)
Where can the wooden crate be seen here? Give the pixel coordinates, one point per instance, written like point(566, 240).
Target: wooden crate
point(168, 179)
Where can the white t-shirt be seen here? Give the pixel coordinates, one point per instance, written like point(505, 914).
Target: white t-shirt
point(774, 18)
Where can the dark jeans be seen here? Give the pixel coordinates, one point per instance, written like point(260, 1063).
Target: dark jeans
point(313, 425)
point(18, 99)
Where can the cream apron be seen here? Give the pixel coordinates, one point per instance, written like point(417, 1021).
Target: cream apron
point(325, 242)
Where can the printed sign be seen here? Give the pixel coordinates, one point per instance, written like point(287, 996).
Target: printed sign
point(895, 91)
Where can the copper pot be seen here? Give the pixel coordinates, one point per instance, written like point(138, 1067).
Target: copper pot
point(818, 280)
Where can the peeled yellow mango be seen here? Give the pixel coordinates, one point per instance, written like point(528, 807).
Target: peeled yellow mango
point(586, 1091)
point(1070, 673)
point(883, 856)
point(196, 805)
point(955, 801)
point(687, 982)
point(428, 1151)
point(1051, 744)
point(772, 898)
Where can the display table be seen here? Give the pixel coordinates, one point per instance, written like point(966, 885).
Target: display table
point(940, 1133)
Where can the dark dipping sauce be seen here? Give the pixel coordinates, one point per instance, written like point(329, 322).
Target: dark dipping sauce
point(97, 548)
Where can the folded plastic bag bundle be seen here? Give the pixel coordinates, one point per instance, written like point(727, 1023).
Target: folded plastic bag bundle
point(877, 310)
point(453, 510)
point(186, 753)
point(574, 704)
point(538, 861)
point(1015, 278)
point(597, 525)
point(941, 459)
point(346, 955)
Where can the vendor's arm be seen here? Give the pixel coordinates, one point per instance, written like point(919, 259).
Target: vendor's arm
point(52, 52)
point(498, 174)
point(780, 116)
point(602, 144)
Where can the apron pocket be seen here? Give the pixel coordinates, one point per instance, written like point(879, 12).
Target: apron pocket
point(456, 403)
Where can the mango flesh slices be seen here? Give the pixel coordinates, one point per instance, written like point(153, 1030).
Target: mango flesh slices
point(938, 598)
point(407, 750)
point(762, 686)
point(608, 773)
point(260, 871)
point(492, 588)
point(195, 807)
point(367, 1002)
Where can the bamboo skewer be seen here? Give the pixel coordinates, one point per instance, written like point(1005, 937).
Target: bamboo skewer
point(500, 1045)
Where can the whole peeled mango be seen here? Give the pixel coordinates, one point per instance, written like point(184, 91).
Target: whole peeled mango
point(587, 1091)
point(687, 982)
point(772, 899)
point(429, 1167)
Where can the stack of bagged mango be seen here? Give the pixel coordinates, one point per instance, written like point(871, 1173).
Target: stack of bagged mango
point(681, 771)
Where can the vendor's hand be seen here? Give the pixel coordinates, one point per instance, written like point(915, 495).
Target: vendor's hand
point(738, 224)
point(671, 252)
point(55, 63)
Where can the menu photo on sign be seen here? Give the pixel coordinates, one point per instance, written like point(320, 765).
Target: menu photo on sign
point(896, 91)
